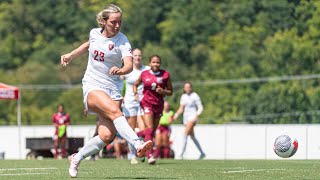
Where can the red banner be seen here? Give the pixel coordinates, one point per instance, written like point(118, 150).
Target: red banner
point(8, 92)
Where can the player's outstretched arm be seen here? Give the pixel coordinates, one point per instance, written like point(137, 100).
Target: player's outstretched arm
point(179, 111)
point(66, 58)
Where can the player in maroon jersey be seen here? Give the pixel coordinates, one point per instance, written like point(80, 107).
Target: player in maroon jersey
point(60, 120)
point(157, 84)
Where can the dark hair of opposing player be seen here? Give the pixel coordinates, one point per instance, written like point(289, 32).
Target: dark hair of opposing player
point(155, 55)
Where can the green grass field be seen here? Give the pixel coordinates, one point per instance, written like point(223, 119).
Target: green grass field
point(164, 169)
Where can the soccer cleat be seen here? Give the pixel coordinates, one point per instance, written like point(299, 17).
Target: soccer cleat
point(134, 161)
point(142, 159)
point(143, 148)
point(202, 156)
point(74, 165)
point(151, 160)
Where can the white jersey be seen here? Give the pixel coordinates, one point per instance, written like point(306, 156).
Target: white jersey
point(105, 53)
point(131, 78)
point(192, 105)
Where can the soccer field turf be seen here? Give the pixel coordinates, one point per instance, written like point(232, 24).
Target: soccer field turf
point(164, 169)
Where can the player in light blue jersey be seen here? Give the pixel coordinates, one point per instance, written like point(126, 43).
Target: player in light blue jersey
point(110, 56)
point(191, 107)
point(131, 105)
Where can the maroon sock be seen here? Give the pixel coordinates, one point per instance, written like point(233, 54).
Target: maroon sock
point(157, 152)
point(63, 152)
point(149, 136)
point(55, 153)
point(141, 133)
point(166, 152)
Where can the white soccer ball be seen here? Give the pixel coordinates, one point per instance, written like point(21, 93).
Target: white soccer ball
point(285, 146)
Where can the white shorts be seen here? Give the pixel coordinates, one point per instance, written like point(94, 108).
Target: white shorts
point(87, 88)
point(189, 117)
point(130, 111)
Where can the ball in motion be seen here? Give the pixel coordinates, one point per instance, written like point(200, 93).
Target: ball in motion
point(285, 146)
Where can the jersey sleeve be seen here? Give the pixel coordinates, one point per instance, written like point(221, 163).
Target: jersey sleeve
point(91, 36)
point(125, 48)
point(199, 104)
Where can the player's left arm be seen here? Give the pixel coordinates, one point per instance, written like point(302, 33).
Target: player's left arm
point(127, 60)
point(126, 68)
point(199, 108)
point(199, 105)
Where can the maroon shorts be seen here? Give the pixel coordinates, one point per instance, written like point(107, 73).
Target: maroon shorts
point(155, 110)
point(163, 130)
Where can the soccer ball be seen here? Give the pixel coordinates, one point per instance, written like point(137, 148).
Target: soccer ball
point(285, 146)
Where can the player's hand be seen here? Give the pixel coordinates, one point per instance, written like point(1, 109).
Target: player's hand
point(115, 71)
point(171, 119)
point(136, 97)
point(65, 59)
point(160, 90)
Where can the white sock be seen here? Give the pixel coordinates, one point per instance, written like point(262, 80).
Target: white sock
point(197, 144)
point(184, 144)
point(132, 152)
point(126, 131)
point(93, 146)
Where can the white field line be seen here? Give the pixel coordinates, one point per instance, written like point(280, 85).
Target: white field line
point(16, 169)
point(252, 170)
point(22, 174)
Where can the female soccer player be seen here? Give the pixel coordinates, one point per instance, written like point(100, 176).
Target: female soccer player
point(191, 107)
point(60, 120)
point(163, 132)
point(157, 84)
point(108, 50)
point(131, 106)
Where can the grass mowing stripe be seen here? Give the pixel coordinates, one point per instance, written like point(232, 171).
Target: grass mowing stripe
point(16, 169)
point(252, 170)
point(23, 174)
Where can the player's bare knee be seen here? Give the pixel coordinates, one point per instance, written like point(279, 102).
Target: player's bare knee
point(114, 112)
point(107, 137)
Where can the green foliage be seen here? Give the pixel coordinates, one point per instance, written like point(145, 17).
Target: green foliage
point(201, 41)
point(187, 24)
point(279, 99)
